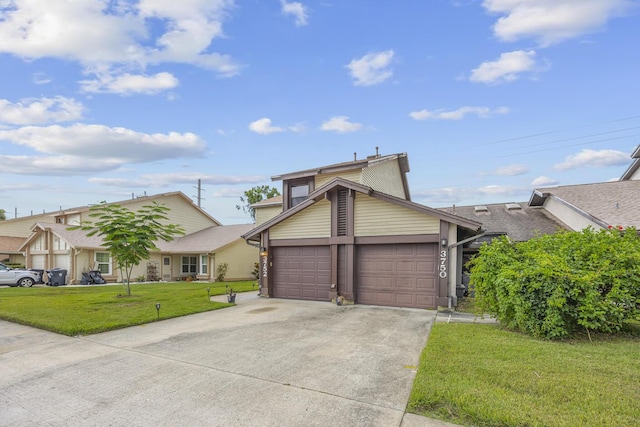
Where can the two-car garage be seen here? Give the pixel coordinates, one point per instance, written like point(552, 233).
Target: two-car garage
point(399, 275)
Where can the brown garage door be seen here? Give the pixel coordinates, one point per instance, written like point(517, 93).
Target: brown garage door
point(302, 272)
point(400, 275)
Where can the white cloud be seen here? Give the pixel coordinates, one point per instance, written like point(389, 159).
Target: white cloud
point(118, 33)
point(499, 190)
point(371, 69)
point(506, 68)
point(126, 84)
point(340, 124)
point(263, 126)
point(297, 9)
point(594, 158)
point(87, 149)
point(167, 180)
point(40, 110)
point(552, 21)
point(511, 170)
point(41, 78)
point(482, 112)
point(543, 181)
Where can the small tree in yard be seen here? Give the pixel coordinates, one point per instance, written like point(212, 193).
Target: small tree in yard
point(129, 235)
point(557, 285)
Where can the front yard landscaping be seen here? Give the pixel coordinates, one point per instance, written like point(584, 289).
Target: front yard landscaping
point(482, 375)
point(88, 310)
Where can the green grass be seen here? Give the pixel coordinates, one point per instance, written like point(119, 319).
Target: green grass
point(481, 375)
point(91, 309)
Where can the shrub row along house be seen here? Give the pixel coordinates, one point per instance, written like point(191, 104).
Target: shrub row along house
point(44, 242)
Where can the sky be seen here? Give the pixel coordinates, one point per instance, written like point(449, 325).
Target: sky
point(105, 100)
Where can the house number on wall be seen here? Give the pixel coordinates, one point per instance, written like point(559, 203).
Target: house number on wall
point(443, 264)
point(264, 266)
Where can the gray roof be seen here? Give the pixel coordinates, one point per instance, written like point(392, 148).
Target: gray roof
point(208, 240)
point(517, 220)
point(203, 241)
point(608, 203)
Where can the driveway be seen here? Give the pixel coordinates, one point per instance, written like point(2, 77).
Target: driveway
point(264, 362)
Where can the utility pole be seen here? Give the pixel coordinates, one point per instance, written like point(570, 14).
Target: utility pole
point(200, 190)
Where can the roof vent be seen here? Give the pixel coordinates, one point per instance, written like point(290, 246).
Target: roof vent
point(481, 209)
point(513, 206)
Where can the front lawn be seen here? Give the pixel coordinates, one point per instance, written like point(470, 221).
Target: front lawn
point(481, 375)
point(88, 310)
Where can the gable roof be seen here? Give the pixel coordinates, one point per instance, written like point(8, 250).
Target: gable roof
point(319, 194)
point(203, 241)
point(605, 203)
point(79, 209)
point(75, 238)
point(208, 240)
point(10, 245)
point(346, 166)
point(272, 201)
point(634, 165)
point(517, 220)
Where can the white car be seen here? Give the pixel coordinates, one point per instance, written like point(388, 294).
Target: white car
point(13, 277)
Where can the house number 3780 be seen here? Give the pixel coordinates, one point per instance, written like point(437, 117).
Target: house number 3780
point(442, 271)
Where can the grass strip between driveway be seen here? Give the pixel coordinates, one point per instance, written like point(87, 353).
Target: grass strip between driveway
point(481, 375)
point(86, 310)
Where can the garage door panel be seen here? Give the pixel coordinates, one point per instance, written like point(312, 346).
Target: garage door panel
point(401, 275)
point(302, 272)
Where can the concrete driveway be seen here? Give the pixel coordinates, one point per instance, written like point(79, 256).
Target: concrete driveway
point(264, 362)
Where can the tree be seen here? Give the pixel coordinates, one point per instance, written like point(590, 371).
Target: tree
point(129, 235)
point(3, 214)
point(255, 195)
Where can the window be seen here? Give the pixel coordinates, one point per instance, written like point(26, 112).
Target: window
point(189, 265)
point(103, 262)
point(203, 264)
point(299, 194)
point(166, 261)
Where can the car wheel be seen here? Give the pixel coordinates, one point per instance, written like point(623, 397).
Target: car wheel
point(26, 282)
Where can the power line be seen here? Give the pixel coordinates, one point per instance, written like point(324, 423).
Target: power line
point(558, 130)
point(567, 146)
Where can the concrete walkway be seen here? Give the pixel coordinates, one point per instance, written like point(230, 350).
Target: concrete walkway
point(264, 362)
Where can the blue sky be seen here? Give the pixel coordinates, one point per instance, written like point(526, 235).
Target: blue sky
point(105, 99)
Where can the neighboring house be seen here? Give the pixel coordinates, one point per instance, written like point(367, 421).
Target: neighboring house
point(10, 249)
point(518, 221)
point(350, 230)
point(598, 205)
point(49, 244)
point(632, 172)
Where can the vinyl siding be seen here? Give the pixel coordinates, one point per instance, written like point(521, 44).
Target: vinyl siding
point(265, 214)
point(568, 216)
point(181, 212)
point(241, 258)
point(375, 217)
point(352, 175)
point(384, 177)
point(314, 221)
point(21, 227)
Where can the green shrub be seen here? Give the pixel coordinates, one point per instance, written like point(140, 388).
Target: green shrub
point(556, 285)
point(221, 271)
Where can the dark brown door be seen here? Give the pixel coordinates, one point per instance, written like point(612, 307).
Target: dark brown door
point(302, 272)
point(399, 275)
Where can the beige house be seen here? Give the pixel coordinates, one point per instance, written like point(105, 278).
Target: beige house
point(47, 243)
point(349, 231)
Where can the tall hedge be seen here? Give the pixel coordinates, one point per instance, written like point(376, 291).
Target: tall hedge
point(556, 285)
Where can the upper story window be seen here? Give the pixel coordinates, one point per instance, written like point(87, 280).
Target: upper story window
point(299, 194)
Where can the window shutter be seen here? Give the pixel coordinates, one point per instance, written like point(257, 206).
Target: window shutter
point(342, 212)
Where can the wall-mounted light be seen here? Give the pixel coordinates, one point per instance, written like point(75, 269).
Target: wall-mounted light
point(443, 242)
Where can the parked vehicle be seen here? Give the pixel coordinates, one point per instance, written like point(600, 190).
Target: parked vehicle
point(14, 277)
